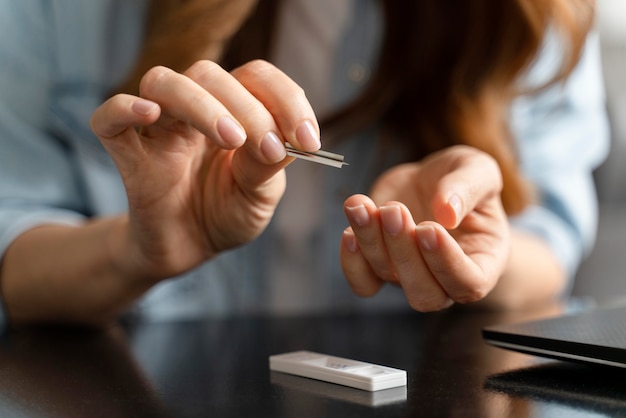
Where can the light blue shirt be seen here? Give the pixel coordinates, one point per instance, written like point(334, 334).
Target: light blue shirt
point(59, 58)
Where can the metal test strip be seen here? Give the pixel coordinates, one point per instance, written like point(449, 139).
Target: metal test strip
point(321, 157)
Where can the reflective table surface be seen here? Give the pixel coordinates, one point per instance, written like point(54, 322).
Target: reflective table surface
point(219, 368)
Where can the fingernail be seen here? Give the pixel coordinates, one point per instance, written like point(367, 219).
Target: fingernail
point(359, 215)
point(272, 148)
point(144, 107)
point(457, 205)
point(391, 217)
point(427, 237)
point(349, 241)
point(308, 137)
point(230, 131)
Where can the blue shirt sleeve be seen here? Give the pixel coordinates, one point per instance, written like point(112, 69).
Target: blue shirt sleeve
point(36, 175)
point(59, 60)
point(562, 135)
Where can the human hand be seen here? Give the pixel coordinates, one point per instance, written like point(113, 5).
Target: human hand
point(204, 172)
point(436, 227)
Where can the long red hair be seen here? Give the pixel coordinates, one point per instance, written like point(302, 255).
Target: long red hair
point(446, 75)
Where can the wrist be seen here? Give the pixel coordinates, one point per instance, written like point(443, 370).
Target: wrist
point(126, 260)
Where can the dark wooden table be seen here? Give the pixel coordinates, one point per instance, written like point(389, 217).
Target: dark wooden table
point(219, 368)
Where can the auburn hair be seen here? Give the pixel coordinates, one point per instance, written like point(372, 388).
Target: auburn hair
point(447, 72)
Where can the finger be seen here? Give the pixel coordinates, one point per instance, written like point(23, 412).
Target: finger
point(121, 112)
point(356, 269)
point(184, 100)
point(264, 142)
point(422, 290)
point(285, 100)
point(114, 123)
point(265, 138)
point(364, 219)
point(456, 197)
point(463, 278)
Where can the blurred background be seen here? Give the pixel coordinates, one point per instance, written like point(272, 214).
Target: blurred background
point(602, 276)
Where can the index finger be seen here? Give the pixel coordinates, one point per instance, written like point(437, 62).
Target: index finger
point(266, 102)
point(185, 100)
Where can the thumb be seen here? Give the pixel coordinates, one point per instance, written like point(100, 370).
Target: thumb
point(115, 122)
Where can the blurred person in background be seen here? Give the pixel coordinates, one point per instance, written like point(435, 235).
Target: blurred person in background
point(143, 169)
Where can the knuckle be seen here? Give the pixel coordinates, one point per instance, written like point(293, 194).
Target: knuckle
point(258, 67)
point(369, 243)
point(151, 79)
point(257, 117)
point(403, 261)
point(492, 165)
point(488, 164)
point(260, 70)
point(204, 70)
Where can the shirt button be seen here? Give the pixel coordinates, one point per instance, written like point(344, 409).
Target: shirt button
point(357, 73)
